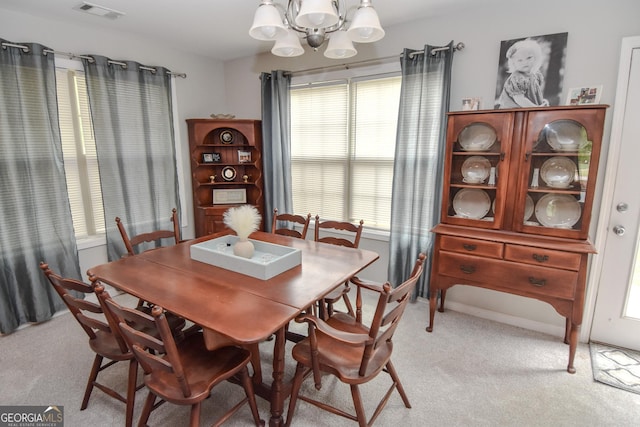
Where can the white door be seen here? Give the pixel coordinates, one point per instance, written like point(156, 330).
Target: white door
point(616, 318)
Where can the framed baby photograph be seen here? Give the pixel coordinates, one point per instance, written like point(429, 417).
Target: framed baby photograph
point(584, 95)
point(531, 71)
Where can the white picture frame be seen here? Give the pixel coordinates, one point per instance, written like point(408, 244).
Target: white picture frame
point(244, 156)
point(229, 196)
point(584, 95)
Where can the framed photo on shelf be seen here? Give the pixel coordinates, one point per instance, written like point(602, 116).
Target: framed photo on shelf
point(211, 158)
point(584, 95)
point(469, 104)
point(244, 156)
point(229, 196)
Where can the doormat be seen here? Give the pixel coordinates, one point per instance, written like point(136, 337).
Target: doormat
point(617, 367)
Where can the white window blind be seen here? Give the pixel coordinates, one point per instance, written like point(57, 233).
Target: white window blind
point(79, 151)
point(342, 147)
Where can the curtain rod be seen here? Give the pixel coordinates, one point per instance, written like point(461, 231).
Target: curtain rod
point(457, 46)
point(88, 58)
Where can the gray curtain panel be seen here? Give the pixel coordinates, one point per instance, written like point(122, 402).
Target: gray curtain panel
point(417, 176)
point(133, 127)
point(36, 220)
point(276, 144)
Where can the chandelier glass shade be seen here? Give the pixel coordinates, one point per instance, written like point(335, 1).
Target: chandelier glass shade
point(317, 21)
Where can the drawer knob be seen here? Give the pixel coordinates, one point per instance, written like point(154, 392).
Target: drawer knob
point(468, 269)
point(541, 258)
point(469, 247)
point(537, 282)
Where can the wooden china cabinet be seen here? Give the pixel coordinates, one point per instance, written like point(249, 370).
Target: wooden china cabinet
point(226, 169)
point(517, 199)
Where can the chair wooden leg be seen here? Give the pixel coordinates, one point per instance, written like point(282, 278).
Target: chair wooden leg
point(251, 397)
point(396, 379)
point(146, 410)
point(357, 403)
point(295, 389)
point(195, 415)
point(95, 369)
point(131, 391)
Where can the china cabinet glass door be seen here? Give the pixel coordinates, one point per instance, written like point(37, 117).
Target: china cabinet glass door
point(477, 152)
point(557, 161)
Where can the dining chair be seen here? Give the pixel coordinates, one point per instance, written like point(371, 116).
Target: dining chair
point(345, 347)
point(351, 240)
point(132, 243)
point(184, 372)
point(105, 342)
point(287, 222)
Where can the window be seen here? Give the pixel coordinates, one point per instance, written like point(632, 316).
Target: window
point(342, 148)
point(79, 151)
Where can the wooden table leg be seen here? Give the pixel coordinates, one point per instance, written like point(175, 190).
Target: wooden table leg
point(277, 389)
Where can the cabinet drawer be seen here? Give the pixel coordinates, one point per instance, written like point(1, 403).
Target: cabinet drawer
point(542, 257)
point(509, 276)
point(472, 246)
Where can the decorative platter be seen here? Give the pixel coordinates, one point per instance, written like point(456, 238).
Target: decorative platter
point(477, 137)
point(226, 137)
point(558, 210)
point(471, 203)
point(475, 169)
point(228, 173)
point(558, 172)
point(565, 135)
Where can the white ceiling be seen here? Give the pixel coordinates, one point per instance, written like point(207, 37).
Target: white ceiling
point(214, 28)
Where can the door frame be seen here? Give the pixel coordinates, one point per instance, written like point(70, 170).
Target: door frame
point(613, 156)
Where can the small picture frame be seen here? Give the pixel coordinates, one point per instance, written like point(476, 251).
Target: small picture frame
point(470, 104)
point(211, 157)
point(229, 196)
point(584, 95)
point(244, 156)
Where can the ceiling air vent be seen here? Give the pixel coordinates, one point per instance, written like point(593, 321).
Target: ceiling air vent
point(97, 10)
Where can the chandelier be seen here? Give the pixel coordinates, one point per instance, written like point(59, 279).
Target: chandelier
point(318, 21)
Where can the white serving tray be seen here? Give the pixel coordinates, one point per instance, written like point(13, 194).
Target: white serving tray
point(268, 261)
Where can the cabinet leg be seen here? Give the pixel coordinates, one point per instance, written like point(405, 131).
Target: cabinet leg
point(567, 330)
point(443, 294)
point(573, 345)
point(432, 309)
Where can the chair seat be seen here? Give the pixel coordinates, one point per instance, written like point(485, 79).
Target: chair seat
point(200, 366)
point(343, 360)
point(106, 345)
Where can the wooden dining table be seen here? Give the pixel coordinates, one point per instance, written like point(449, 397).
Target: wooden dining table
point(243, 308)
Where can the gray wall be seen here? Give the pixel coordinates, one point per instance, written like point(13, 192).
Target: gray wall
point(595, 31)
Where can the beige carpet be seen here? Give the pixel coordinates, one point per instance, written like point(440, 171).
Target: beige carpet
point(617, 367)
point(468, 372)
